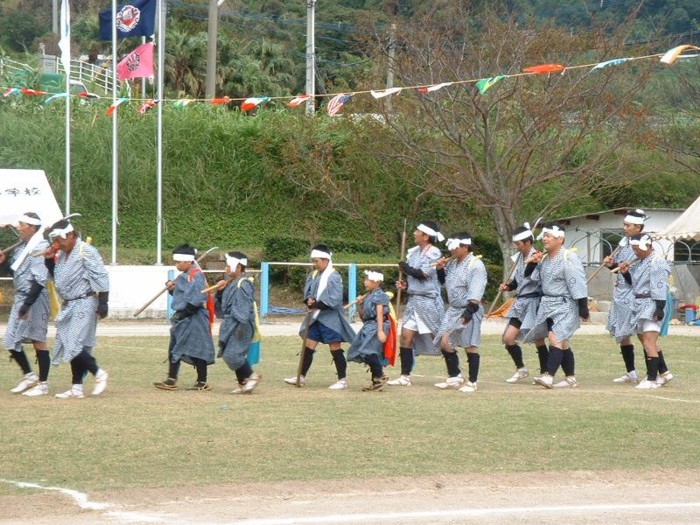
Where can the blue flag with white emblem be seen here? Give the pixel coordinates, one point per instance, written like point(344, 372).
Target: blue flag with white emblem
point(135, 18)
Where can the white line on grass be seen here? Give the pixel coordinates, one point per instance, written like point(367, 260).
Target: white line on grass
point(80, 498)
point(462, 513)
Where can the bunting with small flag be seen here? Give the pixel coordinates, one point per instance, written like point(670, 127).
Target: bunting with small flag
point(485, 83)
point(298, 101)
point(111, 109)
point(252, 102)
point(337, 102)
point(543, 69)
point(434, 87)
point(385, 92)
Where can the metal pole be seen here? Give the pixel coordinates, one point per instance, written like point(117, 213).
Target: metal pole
point(310, 56)
point(162, 12)
point(54, 16)
point(115, 136)
point(212, 34)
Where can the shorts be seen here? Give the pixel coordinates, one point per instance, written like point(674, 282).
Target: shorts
point(415, 324)
point(321, 333)
point(648, 326)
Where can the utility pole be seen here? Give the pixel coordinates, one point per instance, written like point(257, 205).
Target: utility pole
point(310, 56)
point(54, 16)
point(212, 34)
point(390, 69)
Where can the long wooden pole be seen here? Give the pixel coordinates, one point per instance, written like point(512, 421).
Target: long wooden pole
point(165, 289)
point(597, 270)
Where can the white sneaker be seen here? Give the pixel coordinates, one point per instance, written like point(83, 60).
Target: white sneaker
point(29, 381)
point(40, 389)
point(341, 384)
point(469, 388)
point(520, 373)
point(664, 379)
point(545, 380)
point(251, 383)
point(400, 381)
point(100, 382)
point(629, 377)
point(451, 382)
point(76, 392)
point(569, 382)
point(293, 380)
point(647, 385)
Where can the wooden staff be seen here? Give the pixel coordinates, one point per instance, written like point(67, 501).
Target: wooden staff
point(165, 289)
point(403, 255)
point(216, 286)
point(307, 324)
point(597, 271)
point(434, 264)
point(356, 301)
point(630, 262)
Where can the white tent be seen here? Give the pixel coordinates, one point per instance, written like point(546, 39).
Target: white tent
point(687, 226)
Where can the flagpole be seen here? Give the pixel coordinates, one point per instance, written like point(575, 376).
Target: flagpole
point(64, 44)
point(310, 56)
point(115, 136)
point(159, 139)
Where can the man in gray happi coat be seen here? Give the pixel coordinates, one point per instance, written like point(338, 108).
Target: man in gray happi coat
point(82, 283)
point(564, 300)
point(648, 276)
point(29, 316)
point(190, 332)
point(522, 314)
point(323, 296)
point(620, 309)
point(424, 308)
point(465, 281)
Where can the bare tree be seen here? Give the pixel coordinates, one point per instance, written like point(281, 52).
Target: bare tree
point(569, 131)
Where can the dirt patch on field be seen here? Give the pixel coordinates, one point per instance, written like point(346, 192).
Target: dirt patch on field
point(620, 497)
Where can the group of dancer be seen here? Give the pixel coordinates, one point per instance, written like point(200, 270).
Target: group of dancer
point(551, 296)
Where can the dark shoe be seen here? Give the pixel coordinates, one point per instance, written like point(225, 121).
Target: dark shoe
point(376, 385)
point(168, 384)
point(200, 386)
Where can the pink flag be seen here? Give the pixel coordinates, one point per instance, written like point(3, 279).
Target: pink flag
point(137, 64)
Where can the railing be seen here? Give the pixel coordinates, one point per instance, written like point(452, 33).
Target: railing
point(92, 74)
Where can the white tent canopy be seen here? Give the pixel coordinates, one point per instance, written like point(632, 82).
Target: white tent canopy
point(687, 226)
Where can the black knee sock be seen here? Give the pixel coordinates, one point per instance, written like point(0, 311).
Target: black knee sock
point(22, 360)
point(86, 362)
point(308, 359)
point(473, 361)
point(452, 363)
point(201, 366)
point(652, 368)
point(517, 354)
point(173, 369)
point(627, 352)
point(341, 365)
point(662, 363)
point(543, 356)
point(555, 358)
point(42, 357)
point(375, 366)
point(243, 372)
point(406, 355)
point(77, 372)
point(568, 364)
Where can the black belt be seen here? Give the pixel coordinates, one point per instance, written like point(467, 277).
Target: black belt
point(642, 296)
point(66, 301)
point(530, 295)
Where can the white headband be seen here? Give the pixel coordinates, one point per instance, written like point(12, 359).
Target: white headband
point(554, 231)
point(523, 235)
point(318, 254)
point(26, 219)
point(57, 232)
point(634, 219)
point(429, 231)
point(183, 257)
point(233, 262)
point(374, 276)
point(453, 244)
point(643, 243)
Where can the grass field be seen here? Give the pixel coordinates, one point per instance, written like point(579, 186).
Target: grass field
point(137, 436)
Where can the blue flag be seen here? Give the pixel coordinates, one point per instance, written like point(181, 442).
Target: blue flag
point(136, 18)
